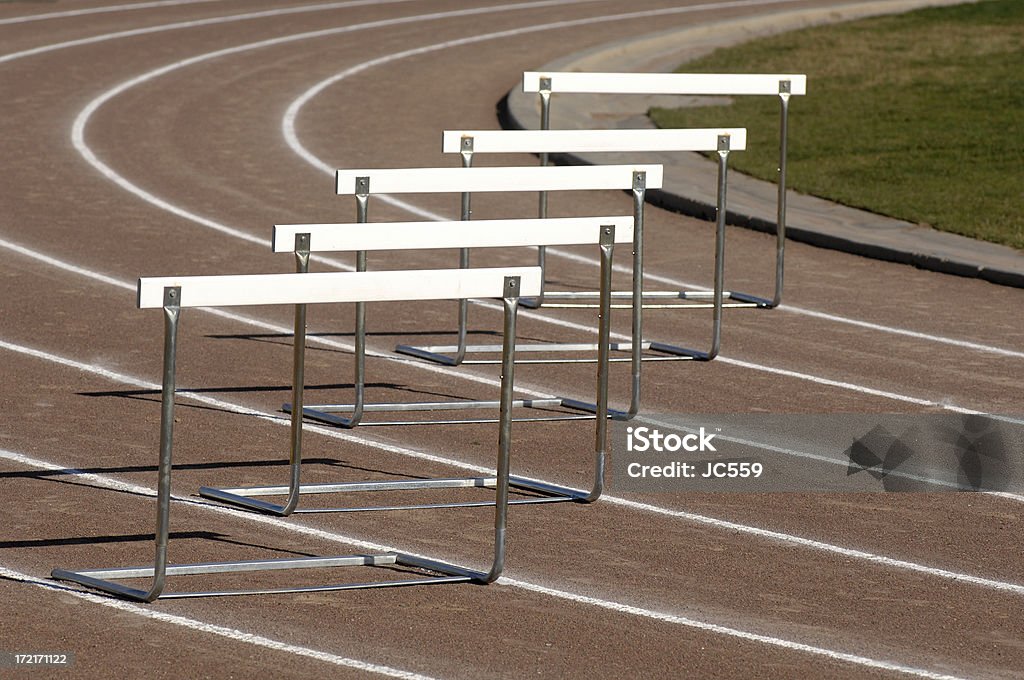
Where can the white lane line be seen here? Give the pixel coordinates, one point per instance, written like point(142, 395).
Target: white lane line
point(101, 10)
point(733, 527)
point(81, 121)
point(744, 635)
point(609, 605)
point(480, 379)
point(909, 333)
point(194, 23)
point(263, 325)
point(806, 648)
point(291, 137)
point(271, 327)
point(233, 634)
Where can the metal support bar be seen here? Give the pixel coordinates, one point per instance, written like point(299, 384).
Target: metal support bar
point(467, 214)
point(100, 579)
point(780, 218)
point(736, 299)
point(326, 413)
point(542, 208)
point(549, 493)
point(249, 497)
point(716, 331)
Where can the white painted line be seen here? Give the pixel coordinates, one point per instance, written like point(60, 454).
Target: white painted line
point(290, 115)
point(78, 136)
point(233, 634)
point(845, 463)
point(271, 327)
point(931, 675)
point(623, 501)
point(101, 10)
point(288, 124)
point(130, 33)
point(341, 435)
point(731, 632)
point(82, 120)
point(609, 605)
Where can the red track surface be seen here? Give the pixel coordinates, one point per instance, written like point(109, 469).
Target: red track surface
point(656, 586)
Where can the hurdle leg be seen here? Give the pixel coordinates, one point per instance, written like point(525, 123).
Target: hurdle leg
point(242, 497)
point(636, 351)
point(510, 301)
point(601, 410)
point(325, 412)
point(542, 203)
point(780, 217)
point(463, 314)
point(719, 292)
point(97, 578)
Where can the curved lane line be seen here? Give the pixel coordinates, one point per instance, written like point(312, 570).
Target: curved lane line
point(291, 137)
point(331, 433)
point(619, 607)
point(195, 23)
point(101, 10)
point(205, 627)
point(762, 532)
point(790, 374)
point(81, 121)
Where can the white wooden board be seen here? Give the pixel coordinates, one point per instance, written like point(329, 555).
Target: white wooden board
point(666, 83)
point(567, 141)
point(555, 231)
point(382, 286)
point(528, 178)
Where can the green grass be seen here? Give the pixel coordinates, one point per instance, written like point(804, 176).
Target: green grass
point(918, 116)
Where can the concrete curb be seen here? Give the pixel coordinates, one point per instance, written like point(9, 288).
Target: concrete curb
point(689, 178)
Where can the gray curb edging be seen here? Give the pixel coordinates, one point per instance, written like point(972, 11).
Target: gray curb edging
point(689, 178)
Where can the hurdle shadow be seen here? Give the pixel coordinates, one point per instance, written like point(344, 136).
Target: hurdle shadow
point(286, 338)
point(139, 538)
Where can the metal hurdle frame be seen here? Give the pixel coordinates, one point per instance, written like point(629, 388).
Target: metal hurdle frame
point(172, 294)
point(361, 183)
point(333, 237)
point(721, 140)
point(782, 86)
point(304, 239)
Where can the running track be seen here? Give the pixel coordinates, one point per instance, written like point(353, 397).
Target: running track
point(167, 137)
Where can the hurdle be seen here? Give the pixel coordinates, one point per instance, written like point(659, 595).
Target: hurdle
point(782, 86)
point(634, 178)
point(400, 235)
point(721, 140)
point(304, 239)
point(173, 294)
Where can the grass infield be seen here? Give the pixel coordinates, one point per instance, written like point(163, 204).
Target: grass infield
point(918, 116)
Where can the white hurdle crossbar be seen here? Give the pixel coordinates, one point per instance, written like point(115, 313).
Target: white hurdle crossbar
point(303, 239)
point(781, 85)
point(469, 180)
point(719, 140)
point(604, 232)
point(172, 294)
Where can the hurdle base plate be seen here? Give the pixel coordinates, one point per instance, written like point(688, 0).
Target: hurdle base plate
point(248, 497)
point(659, 299)
point(101, 579)
point(325, 413)
point(442, 354)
